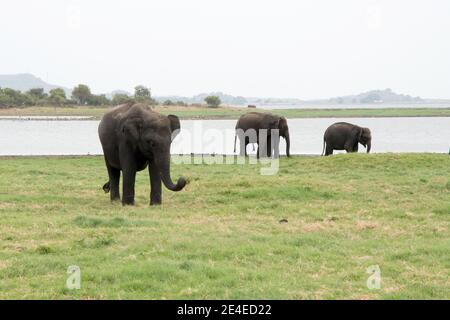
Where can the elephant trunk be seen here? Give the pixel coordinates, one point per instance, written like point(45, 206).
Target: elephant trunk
point(165, 176)
point(288, 144)
point(369, 145)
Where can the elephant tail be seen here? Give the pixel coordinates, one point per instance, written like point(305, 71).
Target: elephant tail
point(107, 187)
point(323, 150)
point(235, 137)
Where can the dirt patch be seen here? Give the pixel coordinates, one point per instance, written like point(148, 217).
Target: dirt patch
point(364, 225)
point(7, 205)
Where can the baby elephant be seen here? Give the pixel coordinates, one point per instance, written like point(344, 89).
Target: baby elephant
point(346, 136)
point(133, 138)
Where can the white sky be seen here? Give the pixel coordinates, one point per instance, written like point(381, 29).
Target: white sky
point(268, 48)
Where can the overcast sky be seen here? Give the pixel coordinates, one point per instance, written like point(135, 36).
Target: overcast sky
point(278, 48)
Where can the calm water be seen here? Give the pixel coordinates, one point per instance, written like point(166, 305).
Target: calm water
point(40, 137)
point(353, 106)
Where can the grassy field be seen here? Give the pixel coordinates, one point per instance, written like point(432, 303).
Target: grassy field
point(222, 237)
point(234, 113)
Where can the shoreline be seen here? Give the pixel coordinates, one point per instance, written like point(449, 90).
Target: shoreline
point(297, 155)
point(31, 118)
point(221, 113)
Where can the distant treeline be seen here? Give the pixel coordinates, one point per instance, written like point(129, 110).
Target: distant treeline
point(81, 95)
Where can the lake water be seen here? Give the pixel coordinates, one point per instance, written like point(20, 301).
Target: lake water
point(40, 137)
point(353, 106)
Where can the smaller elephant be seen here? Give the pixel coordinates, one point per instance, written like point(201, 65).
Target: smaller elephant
point(345, 136)
point(258, 121)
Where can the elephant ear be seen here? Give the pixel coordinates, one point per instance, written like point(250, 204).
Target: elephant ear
point(274, 122)
point(132, 128)
point(174, 125)
point(282, 124)
point(356, 134)
point(360, 133)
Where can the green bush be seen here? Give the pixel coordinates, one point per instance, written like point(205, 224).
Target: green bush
point(213, 101)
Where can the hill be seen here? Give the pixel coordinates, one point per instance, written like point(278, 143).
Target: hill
point(376, 96)
point(27, 81)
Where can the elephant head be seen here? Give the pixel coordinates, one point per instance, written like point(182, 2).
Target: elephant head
point(280, 123)
point(152, 135)
point(365, 138)
point(284, 132)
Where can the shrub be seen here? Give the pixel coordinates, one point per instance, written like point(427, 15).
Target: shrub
point(213, 101)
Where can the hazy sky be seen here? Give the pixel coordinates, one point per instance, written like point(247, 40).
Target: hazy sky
point(278, 48)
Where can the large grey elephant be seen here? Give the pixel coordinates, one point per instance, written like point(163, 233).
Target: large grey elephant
point(132, 137)
point(258, 121)
point(345, 136)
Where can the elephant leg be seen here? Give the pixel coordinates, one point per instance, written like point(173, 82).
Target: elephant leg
point(262, 148)
point(246, 142)
point(348, 147)
point(242, 147)
point(269, 146)
point(155, 183)
point(129, 179)
point(351, 149)
point(328, 150)
point(114, 179)
point(276, 148)
point(258, 149)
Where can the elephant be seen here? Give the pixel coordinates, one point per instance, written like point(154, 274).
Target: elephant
point(345, 136)
point(258, 121)
point(133, 137)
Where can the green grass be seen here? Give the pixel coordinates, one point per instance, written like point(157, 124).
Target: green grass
point(234, 113)
point(221, 237)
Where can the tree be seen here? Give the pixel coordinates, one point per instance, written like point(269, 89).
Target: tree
point(121, 98)
point(98, 100)
point(142, 94)
point(14, 98)
point(38, 93)
point(57, 97)
point(81, 94)
point(168, 103)
point(36, 96)
point(213, 101)
point(6, 100)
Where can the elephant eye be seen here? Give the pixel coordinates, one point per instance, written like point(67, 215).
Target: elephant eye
point(151, 143)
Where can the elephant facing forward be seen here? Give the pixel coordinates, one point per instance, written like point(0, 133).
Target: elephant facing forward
point(258, 121)
point(134, 137)
point(345, 136)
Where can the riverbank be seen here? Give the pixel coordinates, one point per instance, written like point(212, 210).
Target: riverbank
point(197, 112)
point(311, 231)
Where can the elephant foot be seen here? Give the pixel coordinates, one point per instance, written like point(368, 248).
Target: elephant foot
point(155, 200)
point(128, 202)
